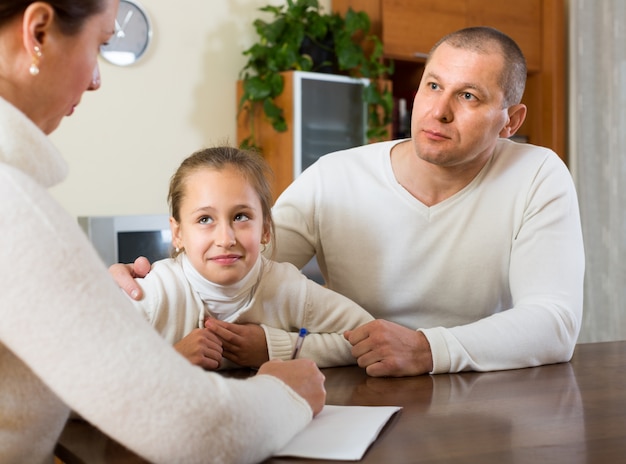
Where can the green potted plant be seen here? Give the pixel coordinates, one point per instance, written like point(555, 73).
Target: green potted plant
point(302, 37)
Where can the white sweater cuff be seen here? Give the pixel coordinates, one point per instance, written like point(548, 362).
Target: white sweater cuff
point(279, 344)
point(438, 349)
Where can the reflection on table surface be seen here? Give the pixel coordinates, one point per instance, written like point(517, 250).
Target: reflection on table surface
point(564, 413)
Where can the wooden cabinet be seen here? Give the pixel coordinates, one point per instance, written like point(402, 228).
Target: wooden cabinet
point(417, 25)
point(409, 28)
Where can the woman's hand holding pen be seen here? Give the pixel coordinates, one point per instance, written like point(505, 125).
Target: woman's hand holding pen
point(303, 376)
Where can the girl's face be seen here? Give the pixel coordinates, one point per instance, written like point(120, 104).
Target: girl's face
point(221, 224)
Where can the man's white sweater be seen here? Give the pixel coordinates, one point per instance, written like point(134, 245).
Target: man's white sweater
point(493, 275)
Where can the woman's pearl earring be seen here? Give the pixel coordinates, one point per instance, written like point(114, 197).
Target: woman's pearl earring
point(34, 67)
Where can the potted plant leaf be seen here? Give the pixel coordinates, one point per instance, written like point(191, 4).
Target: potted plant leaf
point(300, 36)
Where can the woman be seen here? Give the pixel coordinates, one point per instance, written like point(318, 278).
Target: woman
point(81, 347)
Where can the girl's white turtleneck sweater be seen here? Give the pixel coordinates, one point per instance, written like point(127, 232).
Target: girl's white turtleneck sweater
point(177, 299)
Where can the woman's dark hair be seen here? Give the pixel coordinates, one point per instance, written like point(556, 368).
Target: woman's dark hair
point(70, 14)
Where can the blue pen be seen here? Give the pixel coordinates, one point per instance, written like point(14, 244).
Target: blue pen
point(299, 341)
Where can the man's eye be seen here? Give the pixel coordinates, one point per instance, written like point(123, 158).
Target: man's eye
point(468, 96)
point(433, 86)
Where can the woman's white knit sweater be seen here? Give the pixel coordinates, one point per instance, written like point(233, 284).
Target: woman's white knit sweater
point(70, 340)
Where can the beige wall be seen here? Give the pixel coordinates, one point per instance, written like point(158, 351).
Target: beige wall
point(125, 140)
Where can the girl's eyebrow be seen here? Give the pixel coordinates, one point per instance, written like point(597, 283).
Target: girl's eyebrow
point(205, 209)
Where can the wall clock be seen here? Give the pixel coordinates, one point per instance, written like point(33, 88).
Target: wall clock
point(133, 33)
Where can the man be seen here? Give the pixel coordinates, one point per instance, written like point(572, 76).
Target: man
point(466, 246)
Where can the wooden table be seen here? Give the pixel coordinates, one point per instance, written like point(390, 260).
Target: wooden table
point(564, 413)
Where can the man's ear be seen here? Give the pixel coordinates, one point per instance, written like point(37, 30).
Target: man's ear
point(37, 24)
point(517, 115)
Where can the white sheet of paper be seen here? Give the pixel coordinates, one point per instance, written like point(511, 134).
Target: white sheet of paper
point(342, 433)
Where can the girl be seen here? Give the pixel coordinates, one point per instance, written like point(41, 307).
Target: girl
point(218, 297)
